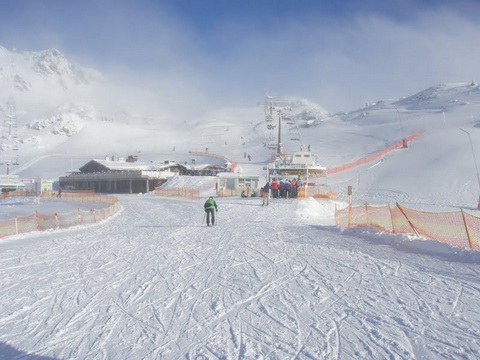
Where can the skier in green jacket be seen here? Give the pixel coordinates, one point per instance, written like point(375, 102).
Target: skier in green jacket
point(209, 206)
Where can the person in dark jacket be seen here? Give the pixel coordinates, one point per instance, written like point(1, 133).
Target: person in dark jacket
point(210, 207)
point(266, 194)
point(287, 186)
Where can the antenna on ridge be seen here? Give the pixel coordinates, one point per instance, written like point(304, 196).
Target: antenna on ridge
point(9, 139)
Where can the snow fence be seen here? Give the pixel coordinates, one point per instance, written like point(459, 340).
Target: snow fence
point(398, 145)
point(457, 228)
point(233, 164)
point(316, 192)
point(39, 221)
point(178, 192)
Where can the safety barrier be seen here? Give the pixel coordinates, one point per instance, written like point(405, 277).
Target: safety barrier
point(316, 193)
point(74, 195)
point(398, 145)
point(233, 164)
point(458, 228)
point(40, 221)
point(78, 194)
point(179, 192)
point(22, 193)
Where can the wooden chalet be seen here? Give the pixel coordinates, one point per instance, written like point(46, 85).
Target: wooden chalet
point(120, 176)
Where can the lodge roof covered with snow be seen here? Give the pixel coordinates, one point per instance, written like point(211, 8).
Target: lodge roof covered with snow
point(97, 165)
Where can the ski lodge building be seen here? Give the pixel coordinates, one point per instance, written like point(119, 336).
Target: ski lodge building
point(10, 183)
point(120, 176)
point(205, 170)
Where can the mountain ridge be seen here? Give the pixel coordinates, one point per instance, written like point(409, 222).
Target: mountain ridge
point(77, 128)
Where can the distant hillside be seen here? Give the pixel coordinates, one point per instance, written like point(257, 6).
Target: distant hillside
point(56, 105)
point(61, 115)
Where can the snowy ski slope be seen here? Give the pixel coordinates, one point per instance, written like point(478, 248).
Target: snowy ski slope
point(266, 283)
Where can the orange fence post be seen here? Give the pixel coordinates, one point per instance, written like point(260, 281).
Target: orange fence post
point(366, 213)
point(391, 219)
point(336, 217)
point(408, 220)
point(349, 191)
point(466, 229)
point(79, 215)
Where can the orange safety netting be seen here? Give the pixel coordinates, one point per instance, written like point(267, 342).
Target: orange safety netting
point(66, 220)
point(46, 221)
point(459, 229)
point(7, 227)
point(400, 223)
point(473, 227)
point(26, 223)
point(184, 193)
point(376, 156)
point(446, 227)
point(233, 164)
point(317, 193)
point(22, 193)
point(380, 217)
point(41, 221)
point(351, 217)
point(88, 216)
point(85, 196)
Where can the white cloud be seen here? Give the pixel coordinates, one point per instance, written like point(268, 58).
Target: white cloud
point(342, 65)
point(339, 62)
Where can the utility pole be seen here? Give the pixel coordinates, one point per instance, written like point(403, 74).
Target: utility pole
point(279, 144)
point(9, 138)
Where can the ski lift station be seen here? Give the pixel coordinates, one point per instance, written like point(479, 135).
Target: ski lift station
point(232, 184)
point(10, 183)
point(299, 163)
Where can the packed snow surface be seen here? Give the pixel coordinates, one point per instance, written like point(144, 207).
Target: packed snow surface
point(266, 282)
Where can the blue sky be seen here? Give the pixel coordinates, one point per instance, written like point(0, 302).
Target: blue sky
point(340, 54)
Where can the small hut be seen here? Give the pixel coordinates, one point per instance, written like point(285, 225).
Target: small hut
point(233, 184)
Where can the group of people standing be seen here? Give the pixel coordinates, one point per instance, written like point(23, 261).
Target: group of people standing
point(285, 188)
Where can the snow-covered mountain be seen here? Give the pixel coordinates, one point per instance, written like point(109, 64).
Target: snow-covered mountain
point(30, 71)
point(48, 99)
point(41, 95)
point(62, 128)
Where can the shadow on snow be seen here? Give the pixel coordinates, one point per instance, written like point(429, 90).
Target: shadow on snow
point(8, 352)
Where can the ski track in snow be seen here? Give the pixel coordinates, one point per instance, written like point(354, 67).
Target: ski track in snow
point(153, 283)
